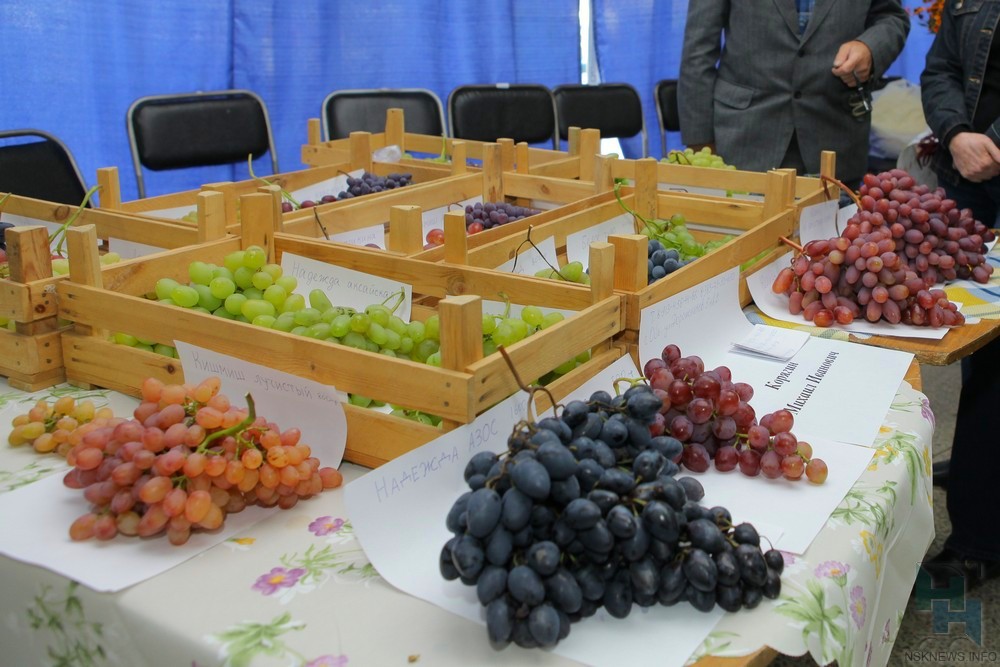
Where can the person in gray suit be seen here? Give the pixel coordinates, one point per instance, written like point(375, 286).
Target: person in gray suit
point(772, 83)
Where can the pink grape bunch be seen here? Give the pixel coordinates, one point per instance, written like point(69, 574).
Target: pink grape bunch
point(903, 240)
point(712, 418)
point(186, 459)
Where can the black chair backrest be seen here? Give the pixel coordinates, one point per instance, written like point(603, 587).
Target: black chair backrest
point(41, 168)
point(613, 108)
point(522, 112)
point(198, 129)
point(346, 111)
point(666, 110)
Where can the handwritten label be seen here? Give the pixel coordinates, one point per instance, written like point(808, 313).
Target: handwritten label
point(374, 234)
point(346, 287)
point(433, 218)
point(578, 243)
point(819, 221)
point(316, 409)
point(331, 186)
point(532, 259)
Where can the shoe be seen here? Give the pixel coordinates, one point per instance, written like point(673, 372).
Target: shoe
point(940, 471)
point(949, 565)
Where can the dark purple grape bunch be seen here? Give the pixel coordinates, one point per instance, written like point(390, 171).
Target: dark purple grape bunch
point(661, 261)
point(368, 183)
point(582, 512)
point(480, 216)
point(4, 226)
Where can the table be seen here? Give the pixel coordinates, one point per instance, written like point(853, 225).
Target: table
point(296, 588)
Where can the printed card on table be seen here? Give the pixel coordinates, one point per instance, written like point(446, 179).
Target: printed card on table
point(578, 243)
point(346, 287)
point(398, 513)
point(821, 384)
point(289, 400)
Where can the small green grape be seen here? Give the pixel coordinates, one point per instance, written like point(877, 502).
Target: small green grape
point(165, 350)
point(255, 307)
point(397, 324)
point(432, 327)
point(340, 325)
point(185, 296)
point(265, 321)
point(360, 322)
point(377, 333)
point(253, 293)
point(273, 270)
point(165, 287)
point(307, 317)
point(234, 260)
point(125, 339)
point(284, 322)
point(379, 313)
point(261, 280)
point(572, 271)
point(552, 318)
point(288, 282)
point(533, 315)
point(206, 299)
point(243, 277)
point(393, 340)
point(415, 331)
point(275, 295)
point(254, 257)
point(434, 360)
point(200, 273)
point(221, 287)
point(293, 302)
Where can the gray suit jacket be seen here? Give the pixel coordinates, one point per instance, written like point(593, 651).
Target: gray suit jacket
point(766, 81)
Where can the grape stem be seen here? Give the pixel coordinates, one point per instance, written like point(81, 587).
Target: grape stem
point(531, 390)
point(398, 296)
point(840, 184)
point(59, 238)
point(232, 430)
point(284, 193)
point(320, 223)
point(791, 243)
point(631, 383)
point(635, 214)
point(517, 255)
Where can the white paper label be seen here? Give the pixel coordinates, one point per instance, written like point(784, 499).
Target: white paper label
point(532, 259)
point(578, 243)
point(374, 234)
point(819, 221)
point(772, 341)
point(346, 287)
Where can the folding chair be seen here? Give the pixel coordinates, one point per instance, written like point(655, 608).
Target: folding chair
point(666, 110)
point(346, 111)
point(197, 129)
point(42, 169)
point(522, 112)
point(613, 108)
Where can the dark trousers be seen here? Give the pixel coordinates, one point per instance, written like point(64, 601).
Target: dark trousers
point(973, 493)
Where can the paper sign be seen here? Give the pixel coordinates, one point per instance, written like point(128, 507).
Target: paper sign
point(25, 221)
point(578, 243)
point(533, 259)
point(374, 234)
point(819, 385)
point(845, 214)
point(176, 213)
point(772, 341)
point(289, 400)
point(776, 306)
point(433, 218)
point(398, 513)
point(779, 504)
point(41, 537)
point(130, 249)
point(345, 287)
point(819, 221)
point(331, 186)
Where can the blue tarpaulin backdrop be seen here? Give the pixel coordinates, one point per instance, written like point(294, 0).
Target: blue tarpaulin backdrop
point(73, 68)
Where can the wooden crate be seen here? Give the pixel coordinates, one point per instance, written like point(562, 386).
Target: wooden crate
point(463, 387)
point(31, 354)
point(317, 153)
point(403, 225)
point(757, 227)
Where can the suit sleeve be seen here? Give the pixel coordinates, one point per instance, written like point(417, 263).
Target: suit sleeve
point(941, 90)
point(885, 33)
point(695, 89)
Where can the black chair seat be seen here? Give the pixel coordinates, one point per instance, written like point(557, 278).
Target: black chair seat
point(37, 164)
point(615, 109)
point(522, 112)
point(346, 111)
point(197, 130)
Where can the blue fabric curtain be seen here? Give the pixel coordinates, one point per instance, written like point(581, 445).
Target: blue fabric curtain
point(73, 68)
point(640, 41)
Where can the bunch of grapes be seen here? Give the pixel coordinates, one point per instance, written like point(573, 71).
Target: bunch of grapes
point(903, 240)
point(365, 184)
point(572, 272)
point(661, 261)
point(48, 427)
point(701, 158)
point(712, 417)
point(581, 512)
point(186, 459)
point(480, 216)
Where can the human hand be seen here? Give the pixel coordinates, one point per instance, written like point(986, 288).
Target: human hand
point(975, 156)
point(852, 58)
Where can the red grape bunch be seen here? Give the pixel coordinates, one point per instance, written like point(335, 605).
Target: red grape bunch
point(712, 418)
point(903, 240)
point(186, 459)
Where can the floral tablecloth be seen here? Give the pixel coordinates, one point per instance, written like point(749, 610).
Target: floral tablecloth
point(297, 590)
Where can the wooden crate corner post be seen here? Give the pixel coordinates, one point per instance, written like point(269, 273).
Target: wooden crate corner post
point(109, 194)
point(405, 230)
point(461, 340)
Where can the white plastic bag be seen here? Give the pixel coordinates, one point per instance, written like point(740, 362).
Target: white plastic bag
point(897, 117)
